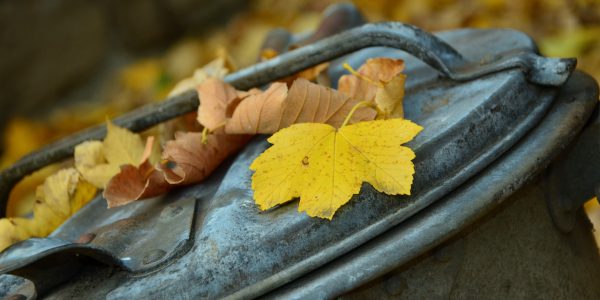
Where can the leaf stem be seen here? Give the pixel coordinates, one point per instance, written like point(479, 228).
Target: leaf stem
point(205, 133)
point(357, 106)
point(361, 76)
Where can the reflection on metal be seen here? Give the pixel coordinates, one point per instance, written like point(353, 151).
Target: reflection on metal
point(141, 238)
point(16, 288)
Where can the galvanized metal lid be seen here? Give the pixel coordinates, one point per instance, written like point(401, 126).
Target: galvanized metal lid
point(477, 93)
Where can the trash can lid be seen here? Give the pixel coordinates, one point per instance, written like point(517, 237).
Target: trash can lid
point(476, 93)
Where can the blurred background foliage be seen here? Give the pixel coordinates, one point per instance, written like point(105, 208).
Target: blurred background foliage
point(66, 64)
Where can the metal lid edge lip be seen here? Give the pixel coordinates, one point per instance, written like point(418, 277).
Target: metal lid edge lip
point(427, 198)
point(440, 222)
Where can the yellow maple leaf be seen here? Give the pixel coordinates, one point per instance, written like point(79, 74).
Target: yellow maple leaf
point(99, 161)
point(60, 196)
point(324, 166)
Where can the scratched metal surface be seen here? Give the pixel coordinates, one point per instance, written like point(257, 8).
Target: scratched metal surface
point(242, 252)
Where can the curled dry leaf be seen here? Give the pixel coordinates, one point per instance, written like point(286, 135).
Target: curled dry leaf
point(136, 182)
point(216, 99)
point(379, 80)
point(217, 69)
point(389, 97)
point(324, 166)
point(305, 102)
point(188, 160)
point(259, 112)
point(188, 122)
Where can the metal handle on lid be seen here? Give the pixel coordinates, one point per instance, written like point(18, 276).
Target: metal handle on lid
point(423, 45)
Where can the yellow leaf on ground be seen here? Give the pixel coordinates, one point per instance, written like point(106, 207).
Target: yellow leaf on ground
point(22, 196)
point(324, 167)
point(121, 146)
point(13, 230)
point(99, 161)
point(90, 162)
point(141, 75)
point(84, 192)
point(60, 196)
point(57, 199)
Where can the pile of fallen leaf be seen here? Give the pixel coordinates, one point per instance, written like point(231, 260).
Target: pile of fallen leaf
point(326, 143)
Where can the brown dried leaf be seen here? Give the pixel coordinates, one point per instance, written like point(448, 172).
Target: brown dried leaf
point(217, 68)
point(216, 98)
point(134, 183)
point(278, 108)
point(191, 161)
point(188, 122)
point(389, 97)
point(259, 112)
point(378, 70)
point(187, 161)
